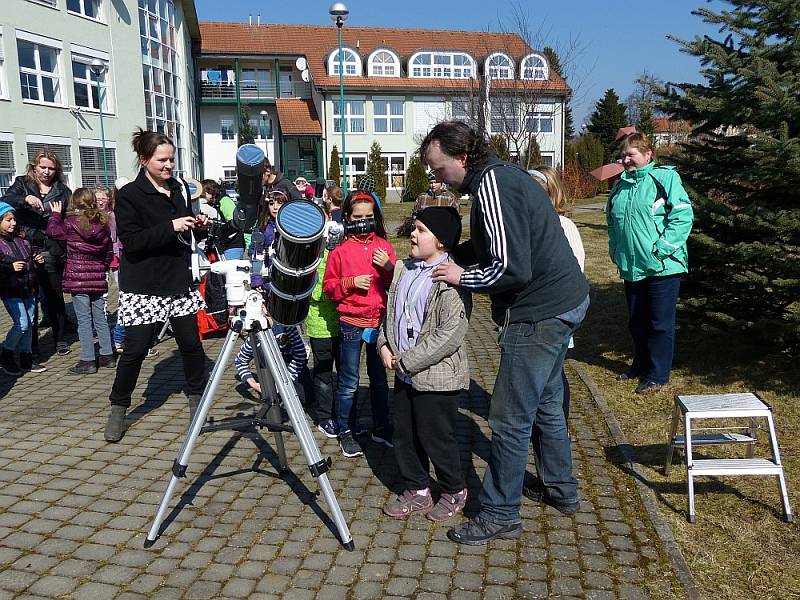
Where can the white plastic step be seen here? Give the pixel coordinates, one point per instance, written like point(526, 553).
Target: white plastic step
point(735, 466)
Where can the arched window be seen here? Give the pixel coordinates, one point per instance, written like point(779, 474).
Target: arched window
point(499, 66)
point(442, 65)
point(534, 66)
point(383, 63)
point(352, 62)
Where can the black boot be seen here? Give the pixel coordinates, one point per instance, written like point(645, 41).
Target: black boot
point(8, 364)
point(194, 404)
point(115, 427)
point(26, 363)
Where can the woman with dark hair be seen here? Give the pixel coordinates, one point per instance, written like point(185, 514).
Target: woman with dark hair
point(32, 195)
point(155, 223)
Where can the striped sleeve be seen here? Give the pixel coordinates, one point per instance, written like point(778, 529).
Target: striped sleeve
point(505, 234)
point(296, 349)
point(242, 361)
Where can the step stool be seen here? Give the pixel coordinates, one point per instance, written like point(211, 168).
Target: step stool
point(725, 406)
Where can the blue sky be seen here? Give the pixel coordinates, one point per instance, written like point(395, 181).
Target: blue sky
point(610, 58)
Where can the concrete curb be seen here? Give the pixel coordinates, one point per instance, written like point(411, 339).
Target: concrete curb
point(647, 495)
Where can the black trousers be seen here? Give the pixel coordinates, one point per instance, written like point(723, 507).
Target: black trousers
point(50, 275)
point(137, 341)
point(325, 352)
point(424, 432)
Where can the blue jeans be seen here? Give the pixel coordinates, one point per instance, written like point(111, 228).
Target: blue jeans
point(347, 386)
point(233, 253)
point(529, 397)
point(651, 320)
point(91, 309)
point(21, 311)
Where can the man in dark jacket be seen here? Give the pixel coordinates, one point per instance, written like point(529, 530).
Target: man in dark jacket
point(520, 257)
point(274, 180)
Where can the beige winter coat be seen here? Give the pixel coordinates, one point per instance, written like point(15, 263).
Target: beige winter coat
point(438, 362)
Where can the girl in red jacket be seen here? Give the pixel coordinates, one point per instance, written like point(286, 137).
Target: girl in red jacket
point(89, 254)
point(357, 277)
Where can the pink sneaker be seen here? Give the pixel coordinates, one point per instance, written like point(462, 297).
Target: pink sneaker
point(448, 505)
point(408, 502)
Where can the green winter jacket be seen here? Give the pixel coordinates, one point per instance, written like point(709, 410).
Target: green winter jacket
point(647, 233)
point(322, 320)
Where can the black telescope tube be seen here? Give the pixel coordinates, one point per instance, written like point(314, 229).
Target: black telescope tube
point(250, 161)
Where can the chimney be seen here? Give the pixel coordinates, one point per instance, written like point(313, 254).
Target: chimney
point(358, 43)
point(250, 20)
point(258, 19)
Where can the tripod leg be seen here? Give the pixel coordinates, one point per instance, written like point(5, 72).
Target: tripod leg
point(271, 354)
point(268, 394)
point(179, 466)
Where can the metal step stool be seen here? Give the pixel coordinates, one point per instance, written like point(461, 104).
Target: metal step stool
point(725, 406)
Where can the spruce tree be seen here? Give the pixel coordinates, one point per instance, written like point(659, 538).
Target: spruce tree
point(499, 145)
point(335, 167)
point(376, 168)
point(589, 156)
point(555, 64)
point(416, 180)
point(247, 133)
point(743, 163)
point(608, 116)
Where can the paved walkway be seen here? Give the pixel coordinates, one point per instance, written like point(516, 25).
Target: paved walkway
point(75, 510)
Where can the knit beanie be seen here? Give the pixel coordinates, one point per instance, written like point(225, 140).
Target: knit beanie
point(444, 222)
point(4, 208)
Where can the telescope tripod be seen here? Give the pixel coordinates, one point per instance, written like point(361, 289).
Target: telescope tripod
point(277, 390)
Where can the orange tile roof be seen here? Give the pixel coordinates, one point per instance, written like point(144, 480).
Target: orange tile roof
point(671, 126)
point(298, 117)
point(316, 42)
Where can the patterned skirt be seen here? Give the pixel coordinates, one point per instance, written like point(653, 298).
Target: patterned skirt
point(142, 309)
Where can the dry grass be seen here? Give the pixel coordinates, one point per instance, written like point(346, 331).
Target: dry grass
point(740, 547)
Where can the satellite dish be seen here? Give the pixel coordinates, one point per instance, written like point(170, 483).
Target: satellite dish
point(305, 76)
point(301, 64)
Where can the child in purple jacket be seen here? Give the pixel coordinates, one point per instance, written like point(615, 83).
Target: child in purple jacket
point(89, 254)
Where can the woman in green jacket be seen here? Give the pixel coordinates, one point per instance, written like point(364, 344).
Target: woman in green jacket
point(649, 219)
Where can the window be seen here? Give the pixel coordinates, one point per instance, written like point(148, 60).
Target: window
point(389, 116)
point(256, 83)
point(6, 165)
point(39, 75)
point(353, 116)
point(394, 167)
point(355, 167)
point(3, 91)
point(62, 151)
point(547, 159)
point(447, 65)
point(539, 122)
point(464, 110)
point(229, 173)
point(352, 62)
point(534, 67)
point(499, 66)
point(92, 169)
point(262, 128)
point(383, 63)
point(84, 82)
point(87, 8)
point(226, 128)
point(162, 85)
point(504, 116)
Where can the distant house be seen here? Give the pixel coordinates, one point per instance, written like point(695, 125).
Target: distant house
point(670, 131)
point(398, 83)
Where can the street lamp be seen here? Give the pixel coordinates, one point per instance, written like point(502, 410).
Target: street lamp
point(339, 13)
point(264, 114)
point(98, 68)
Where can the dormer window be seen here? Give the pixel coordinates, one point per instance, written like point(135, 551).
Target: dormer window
point(534, 66)
point(444, 65)
point(499, 66)
point(383, 63)
point(351, 61)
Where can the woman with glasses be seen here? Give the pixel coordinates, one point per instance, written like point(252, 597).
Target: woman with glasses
point(155, 223)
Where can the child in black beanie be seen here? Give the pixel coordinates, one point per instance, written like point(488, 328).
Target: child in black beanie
point(422, 340)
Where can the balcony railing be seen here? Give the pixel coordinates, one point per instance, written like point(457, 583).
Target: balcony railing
point(250, 90)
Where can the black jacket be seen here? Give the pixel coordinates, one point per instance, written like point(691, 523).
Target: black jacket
point(32, 221)
point(282, 184)
point(154, 258)
point(523, 259)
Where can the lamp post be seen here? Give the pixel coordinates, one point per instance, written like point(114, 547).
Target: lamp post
point(264, 114)
point(98, 68)
point(339, 13)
